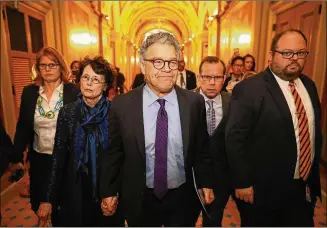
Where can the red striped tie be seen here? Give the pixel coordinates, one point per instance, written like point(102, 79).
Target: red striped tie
point(304, 135)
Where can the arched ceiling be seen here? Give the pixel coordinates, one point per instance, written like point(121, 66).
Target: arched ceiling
point(182, 18)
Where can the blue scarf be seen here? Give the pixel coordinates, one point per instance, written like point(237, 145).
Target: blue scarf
point(91, 138)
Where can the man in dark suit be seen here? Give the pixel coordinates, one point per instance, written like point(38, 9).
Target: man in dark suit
point(273, 139)
point(157, 135)
point(120, 81)
point(138, 80)
point(211, 79)
point(186, 79)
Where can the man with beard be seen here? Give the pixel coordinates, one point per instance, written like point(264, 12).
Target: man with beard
point(273, 139)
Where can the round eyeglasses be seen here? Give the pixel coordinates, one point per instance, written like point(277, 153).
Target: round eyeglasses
point(290, 54)
point(160, 63)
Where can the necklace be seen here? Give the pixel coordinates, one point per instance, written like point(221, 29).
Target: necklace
point(49, 114)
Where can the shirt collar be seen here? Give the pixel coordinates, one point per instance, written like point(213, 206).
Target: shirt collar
point(151, 97)
point(60, 88)
point(216, 99)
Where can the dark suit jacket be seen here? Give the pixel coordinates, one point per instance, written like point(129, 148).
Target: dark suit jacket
point(25, 125)
point(126, 157)
point(6, 149)
point(190, 80)
point(138, 80)
point(260, 139)
point(218, 152)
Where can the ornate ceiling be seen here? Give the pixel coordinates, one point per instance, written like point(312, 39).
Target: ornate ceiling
point(185, 19)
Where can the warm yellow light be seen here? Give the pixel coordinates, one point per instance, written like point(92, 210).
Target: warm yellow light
point(215, 12)
point(210, 18)
point(132, 59)
point(107, 18)
point(192, 60)
point(137, 59)
point(185, 59)
point(83, 38)
point(193, 35)
point(190, 39)
point(125, 59)
point(244, 39)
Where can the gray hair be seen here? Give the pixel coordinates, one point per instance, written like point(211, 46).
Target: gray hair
point(162, 38)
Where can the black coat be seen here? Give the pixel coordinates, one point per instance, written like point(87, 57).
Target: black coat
point(25, 125)
point(123, 167)
point(138, 80)
point(65, 186)
point(6, 149)
point(260, 139)
point(190, 80)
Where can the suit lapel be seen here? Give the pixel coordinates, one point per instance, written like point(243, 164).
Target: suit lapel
point(279, 97)
point(33, 101)
point(312, 93)
point(224, 101)
point(137, 104)
point(314, 101)
point(184, 113)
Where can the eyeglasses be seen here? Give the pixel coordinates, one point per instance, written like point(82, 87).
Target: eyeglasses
point(215, 78)
point(160, 63)
point(238, 65)
point(290, 54)
point(94, 80)
point(51, 66)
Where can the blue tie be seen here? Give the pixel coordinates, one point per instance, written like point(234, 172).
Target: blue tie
point(160, 167)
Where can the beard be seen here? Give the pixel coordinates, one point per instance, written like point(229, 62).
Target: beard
point(283, 73)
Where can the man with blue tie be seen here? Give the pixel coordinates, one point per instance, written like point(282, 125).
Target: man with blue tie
point(157, 135)
point(211, 79)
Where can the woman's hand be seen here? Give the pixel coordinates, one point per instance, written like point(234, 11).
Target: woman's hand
point(44, 213)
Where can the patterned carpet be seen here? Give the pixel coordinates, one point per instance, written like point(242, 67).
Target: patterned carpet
point(18, 213)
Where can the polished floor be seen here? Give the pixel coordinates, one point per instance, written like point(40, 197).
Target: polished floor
point(17, 213)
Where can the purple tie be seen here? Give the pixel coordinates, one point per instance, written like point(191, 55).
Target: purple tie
point(160, 167)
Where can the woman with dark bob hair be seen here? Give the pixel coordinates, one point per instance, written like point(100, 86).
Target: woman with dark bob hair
point(81, 139)
point(36, 126)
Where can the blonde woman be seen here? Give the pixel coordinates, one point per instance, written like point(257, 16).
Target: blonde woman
point(36, 127)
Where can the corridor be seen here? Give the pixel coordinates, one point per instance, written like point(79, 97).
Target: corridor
point(232, 31)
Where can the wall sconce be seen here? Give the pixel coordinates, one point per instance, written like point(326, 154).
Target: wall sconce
point(132, 59)
point(185, 59)
point(244, 39)
point(137, 59)
point(83, 38)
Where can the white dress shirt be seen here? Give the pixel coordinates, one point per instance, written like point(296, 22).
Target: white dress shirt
point(179, 77)
point(303, 93)
point(44, 128)
point(217, 106)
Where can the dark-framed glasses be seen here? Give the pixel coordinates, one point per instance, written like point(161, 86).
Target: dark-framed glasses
point(51, 66)
point(215, 78)
point(290, 54)
point(86, 78)
point(160, 63)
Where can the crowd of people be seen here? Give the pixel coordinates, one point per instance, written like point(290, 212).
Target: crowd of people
point(167, 150)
